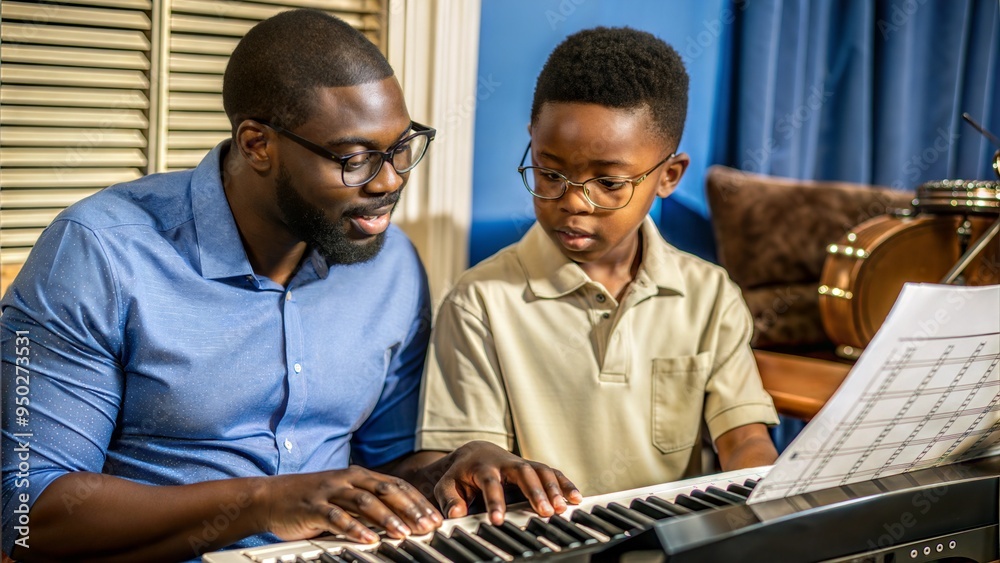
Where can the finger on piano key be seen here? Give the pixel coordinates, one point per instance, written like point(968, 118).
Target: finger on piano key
point(389, 551)
point(675, 509)
point(476, 546)
point(524, 537)
point(731, 497)
point(542, 528)
point(650, 509)
point(697, 505)
point(639, 518)
point(572, 529)
point(451, 549)
point(502, 541)
point(593, 522)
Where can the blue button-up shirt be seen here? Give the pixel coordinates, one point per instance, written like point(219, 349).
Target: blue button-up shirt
point(155, 353)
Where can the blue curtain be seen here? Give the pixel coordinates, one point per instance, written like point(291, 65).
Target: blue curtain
point(864, 92)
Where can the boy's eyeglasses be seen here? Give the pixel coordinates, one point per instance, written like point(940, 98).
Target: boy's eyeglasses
point(359, 168)
point(604, 192)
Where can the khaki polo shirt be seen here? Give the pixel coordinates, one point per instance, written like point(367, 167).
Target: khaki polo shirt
point(531, 354)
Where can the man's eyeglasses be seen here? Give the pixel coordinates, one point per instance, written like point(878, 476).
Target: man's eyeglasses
point(359, 168)
point(604, 192)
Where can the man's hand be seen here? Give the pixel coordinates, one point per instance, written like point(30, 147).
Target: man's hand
point(304, 505)
point(481, 466)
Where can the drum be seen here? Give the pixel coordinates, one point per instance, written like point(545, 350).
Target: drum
point(865, 270)
point(949, 197)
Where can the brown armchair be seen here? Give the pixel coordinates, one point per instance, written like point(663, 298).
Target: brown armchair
point(771, 235)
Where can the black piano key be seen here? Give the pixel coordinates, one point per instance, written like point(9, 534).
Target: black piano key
point(751, 483)
point(649, 509)
point(591, 521)
point(634, 515)
point(326, 557)
point(352, 556)
point(572, 529)
point(612, 517)
point(714, 500)
point(482, 552)
point(739, 490)
point(524, 537)
point(550, 532)
point(417, 551)
point(694, 504)
point(502, 541)
point(731, 497)
point(673, 508)
point(452, 550)
point(300, 559)
point(389, 551)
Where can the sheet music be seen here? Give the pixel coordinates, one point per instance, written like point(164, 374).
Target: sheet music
point(925, 392)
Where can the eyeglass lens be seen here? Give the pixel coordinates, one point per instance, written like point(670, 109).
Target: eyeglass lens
point(603, 192)
point(361, 168)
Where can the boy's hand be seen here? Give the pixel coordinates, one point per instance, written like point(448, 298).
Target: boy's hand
point(481, 466)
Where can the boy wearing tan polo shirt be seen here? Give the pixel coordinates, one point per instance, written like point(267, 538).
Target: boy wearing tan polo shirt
point(592, 345)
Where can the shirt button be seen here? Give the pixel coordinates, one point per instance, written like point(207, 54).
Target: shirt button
point(606, 315)
point(297, 368)
point(600, 298)
point(288, 296)
point(288, 445)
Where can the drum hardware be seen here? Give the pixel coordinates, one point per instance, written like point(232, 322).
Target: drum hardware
point(951, 229)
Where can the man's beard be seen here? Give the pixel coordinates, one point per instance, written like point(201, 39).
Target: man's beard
point(312, 226)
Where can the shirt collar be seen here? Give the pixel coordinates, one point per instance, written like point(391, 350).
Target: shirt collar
point(551, 274)
point(219, 245)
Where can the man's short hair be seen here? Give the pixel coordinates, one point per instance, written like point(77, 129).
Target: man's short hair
point(276, 68)
point(620, 68)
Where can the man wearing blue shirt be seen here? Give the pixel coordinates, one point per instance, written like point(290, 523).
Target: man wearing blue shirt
point(195, 359)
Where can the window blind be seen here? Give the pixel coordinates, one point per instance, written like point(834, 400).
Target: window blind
point(96, 92)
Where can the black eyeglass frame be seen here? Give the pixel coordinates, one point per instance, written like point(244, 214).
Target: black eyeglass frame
point(633, 180)
point(419, 130)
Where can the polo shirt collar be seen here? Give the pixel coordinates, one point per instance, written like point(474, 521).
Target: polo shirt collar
point(551, 274)
point(219, 244)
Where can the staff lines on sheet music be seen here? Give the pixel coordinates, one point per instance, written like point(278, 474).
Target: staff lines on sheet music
point(925, 363)
point(912, 398)
point(958, 412)
point(936, 407)
point(891, 445)
point(953, 337)
point(945, 415)
point(933, 391)
point(866, 407)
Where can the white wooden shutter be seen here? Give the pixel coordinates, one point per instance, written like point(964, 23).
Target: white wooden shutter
point(95, 92)
point(201, 35)
point(74, 97)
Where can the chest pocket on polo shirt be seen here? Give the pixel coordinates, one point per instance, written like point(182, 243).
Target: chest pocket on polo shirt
point(678, 399)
